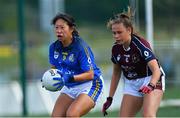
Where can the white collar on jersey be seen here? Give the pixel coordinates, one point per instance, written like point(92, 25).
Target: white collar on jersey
point(126, 49)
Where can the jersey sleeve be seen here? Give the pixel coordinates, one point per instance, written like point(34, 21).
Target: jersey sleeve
point(85, 59)
point(51, 55)
point(114, 55)
point(148, 55)
point(145, 50)
point(113, 59)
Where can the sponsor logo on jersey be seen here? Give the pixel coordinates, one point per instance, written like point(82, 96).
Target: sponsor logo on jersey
point(146, 53)
point(89, 60)
point(64, 55)
point(132, 74)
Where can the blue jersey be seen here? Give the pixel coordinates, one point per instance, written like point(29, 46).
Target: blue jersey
point(77, 58)
point(133, 61)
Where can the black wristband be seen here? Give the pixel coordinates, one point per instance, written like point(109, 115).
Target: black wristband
point(109, 98)
point(152, 86)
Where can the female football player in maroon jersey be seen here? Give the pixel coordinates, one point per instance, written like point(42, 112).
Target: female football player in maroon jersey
point(144, 79)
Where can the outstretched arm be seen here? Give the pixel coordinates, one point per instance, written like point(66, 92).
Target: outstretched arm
point(114, 83)
point(89, 75)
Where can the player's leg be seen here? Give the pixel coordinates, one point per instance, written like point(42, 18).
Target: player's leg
point(151, 103)
point(62, 104)
point(130, 105)
point(82, 105)
point(89, 93)
point(152, 100)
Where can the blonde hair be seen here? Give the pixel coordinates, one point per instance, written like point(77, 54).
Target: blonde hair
point(125, 18)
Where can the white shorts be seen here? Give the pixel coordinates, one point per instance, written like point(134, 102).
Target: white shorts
point(93, 89)
point(132, 87)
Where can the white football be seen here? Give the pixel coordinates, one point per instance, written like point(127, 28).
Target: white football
point(47, 80)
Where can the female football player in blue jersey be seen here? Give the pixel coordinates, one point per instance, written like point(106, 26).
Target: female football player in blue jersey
point(143, 76)
point(74, 59)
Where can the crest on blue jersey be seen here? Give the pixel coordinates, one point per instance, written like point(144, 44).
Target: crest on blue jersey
point(56, 54)
point(71, 57)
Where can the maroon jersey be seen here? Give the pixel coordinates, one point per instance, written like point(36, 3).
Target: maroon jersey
point(133, 61)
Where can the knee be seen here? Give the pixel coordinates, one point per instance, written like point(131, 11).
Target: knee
point(53, 116)
point(57, 114)
point(72, 114)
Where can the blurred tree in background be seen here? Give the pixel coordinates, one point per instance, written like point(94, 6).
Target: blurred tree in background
point(93, 11)
point(88, 11)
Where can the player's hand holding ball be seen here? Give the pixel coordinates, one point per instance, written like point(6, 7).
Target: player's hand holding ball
point(51, 84)
point(66, 77)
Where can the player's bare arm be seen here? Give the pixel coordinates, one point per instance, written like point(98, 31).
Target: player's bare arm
point(89, 75)
point(153, 65)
